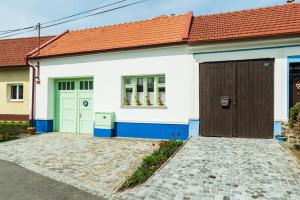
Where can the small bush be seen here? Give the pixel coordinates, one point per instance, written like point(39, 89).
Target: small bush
point(296, 128)
point(151, 163)
point(11, 131)
point(294, 112)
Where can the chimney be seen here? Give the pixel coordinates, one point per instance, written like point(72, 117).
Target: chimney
point(290, 1)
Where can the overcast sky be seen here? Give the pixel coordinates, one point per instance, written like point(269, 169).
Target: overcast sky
point(22, 13)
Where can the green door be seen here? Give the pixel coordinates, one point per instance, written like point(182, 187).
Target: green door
point(86, 115)
point(74, 106)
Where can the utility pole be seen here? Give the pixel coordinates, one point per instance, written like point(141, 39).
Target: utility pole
point(38, 27)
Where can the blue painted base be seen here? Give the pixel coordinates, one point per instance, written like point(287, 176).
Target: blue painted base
point(152, 131)
point(43, 126)
point(281, 139)
point(194, 128)
point(277, 128)
point(103, 132)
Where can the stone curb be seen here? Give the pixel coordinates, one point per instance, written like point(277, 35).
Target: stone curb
point(156, 172)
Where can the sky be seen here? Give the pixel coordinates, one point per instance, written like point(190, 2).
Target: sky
point(23, 13)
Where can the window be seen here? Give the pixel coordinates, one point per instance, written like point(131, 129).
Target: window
point(86, 85)
point(66, 85)
point(16, 92)
point(144, 90)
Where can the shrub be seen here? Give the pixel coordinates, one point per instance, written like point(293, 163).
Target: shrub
point(151, 163)
point(11, 131)
point(294, 112)
point(296, 128)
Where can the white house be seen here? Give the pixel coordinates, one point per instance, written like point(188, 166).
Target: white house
point(159, 78)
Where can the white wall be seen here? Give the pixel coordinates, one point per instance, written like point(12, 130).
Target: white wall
point(204, 54)
point(181, 66)
point(107, 69)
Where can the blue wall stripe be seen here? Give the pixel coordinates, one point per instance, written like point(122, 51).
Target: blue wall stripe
point(293, 59)
point(277, 128)
point(147, 130)
point(194, 128)
point(103, 132)
point(43, 126)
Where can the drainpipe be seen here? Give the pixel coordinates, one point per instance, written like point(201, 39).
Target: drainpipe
point(34, 77)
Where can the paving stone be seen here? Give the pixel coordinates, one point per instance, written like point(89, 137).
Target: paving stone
point(92, 164)
point(225, 168)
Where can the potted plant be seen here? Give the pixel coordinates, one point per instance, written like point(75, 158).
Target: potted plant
point(160, 102)
point(126, 102)
point(148, 101)
point(31, 130)
point(137, 101)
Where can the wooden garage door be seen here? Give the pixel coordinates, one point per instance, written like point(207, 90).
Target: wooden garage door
point(236, 99)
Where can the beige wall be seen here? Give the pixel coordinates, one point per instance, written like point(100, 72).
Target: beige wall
point(11, 75)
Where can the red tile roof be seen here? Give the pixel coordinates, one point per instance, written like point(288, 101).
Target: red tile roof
point(13, 52)
point(162, 30)
point(270, 21)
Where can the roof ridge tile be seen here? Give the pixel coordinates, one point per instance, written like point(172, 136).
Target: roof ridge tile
point(128, 23)
point(249, 10)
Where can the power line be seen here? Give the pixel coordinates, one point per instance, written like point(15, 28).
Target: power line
point(81, 13)
point(98, 13)
point(76, 19)
point(74, 15)
point(9, 31)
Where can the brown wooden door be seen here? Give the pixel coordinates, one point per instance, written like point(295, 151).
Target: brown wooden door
point(255, 98)
point(249, 85)
point(217, 80)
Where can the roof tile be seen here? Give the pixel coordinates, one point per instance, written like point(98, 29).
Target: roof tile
point(158, 31)
point(13, 52)
point(254, 23)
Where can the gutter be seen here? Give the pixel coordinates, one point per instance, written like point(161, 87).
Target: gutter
point(34, 77)
point(36, 74)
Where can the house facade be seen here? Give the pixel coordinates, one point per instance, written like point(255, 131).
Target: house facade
point(172, 76)
point(14, 78)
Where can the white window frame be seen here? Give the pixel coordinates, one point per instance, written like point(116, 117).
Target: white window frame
point(133, 86)
point(18, 91)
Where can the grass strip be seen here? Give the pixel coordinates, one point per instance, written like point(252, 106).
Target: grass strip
point(151, 163)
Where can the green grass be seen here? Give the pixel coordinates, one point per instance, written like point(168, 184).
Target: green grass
point(151, 163)
point(11, 131)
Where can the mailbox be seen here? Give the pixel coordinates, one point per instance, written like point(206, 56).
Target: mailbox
point(104, 120)
point(225, 101)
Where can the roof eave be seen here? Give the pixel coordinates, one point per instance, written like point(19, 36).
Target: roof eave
point(23, 65)
point(269, 36)
point(108, 50)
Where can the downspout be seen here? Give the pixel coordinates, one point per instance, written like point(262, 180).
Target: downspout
point(34, 77)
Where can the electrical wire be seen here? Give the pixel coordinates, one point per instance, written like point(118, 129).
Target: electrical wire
point(74, 15)
point(76, 19)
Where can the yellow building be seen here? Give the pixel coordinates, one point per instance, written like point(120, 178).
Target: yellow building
point(14, 77)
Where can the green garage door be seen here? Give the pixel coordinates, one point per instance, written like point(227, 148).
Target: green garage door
point(74, 106)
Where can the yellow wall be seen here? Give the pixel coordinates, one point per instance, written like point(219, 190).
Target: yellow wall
point(11, 75)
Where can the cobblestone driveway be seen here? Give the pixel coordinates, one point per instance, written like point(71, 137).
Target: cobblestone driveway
point(223, 168)
point(95, 165)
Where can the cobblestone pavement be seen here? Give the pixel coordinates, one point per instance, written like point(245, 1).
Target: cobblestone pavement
point(92, 164)
point(224, 168)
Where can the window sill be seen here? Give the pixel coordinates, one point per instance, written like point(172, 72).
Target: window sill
point(144, 107)
point(16, 101)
